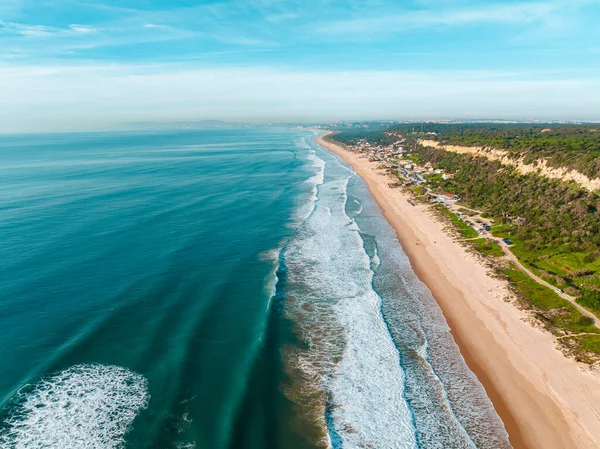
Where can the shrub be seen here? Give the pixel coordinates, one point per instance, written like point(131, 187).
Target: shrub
point(590, 299)
point(585, 321)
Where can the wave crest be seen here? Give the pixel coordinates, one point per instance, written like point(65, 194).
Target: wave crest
point(83, 407)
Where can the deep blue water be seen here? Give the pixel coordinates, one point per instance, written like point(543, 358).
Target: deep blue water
point(215, 289)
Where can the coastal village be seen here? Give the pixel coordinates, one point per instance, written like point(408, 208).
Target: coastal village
point(399, 161)
point(513, 299)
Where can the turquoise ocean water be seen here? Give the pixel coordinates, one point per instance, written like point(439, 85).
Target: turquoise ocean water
point(215, 289)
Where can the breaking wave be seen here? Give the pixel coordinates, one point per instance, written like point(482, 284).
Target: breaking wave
point(83, 407)
point(347, 381)
point(376, 366)
point(306, 208)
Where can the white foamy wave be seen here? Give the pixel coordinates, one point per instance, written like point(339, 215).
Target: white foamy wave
point(271, 255)
point(450, 407)
point(304, 210)
point(83, 407)
point(185, 445)
point(303, 143)
point(360, 208)
point(351, 354)
point(375, 259)
point(319, 176)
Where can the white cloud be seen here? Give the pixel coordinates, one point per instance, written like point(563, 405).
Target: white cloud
point(45, 41)
point(13, 28)
point(501, 13)
point(246, 41)
point(78, 97)
point(42, 31)
point(156, 26)
point(83, 29)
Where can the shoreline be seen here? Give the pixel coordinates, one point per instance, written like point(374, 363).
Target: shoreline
point(543, 398)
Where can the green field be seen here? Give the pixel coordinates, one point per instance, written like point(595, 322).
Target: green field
point(464, 229)
point(575, 272)
point(483, 245)
point(556, 312)
point(589, 342)
point(488, 247)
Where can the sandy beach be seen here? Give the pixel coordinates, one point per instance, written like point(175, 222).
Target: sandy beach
point(545, 399)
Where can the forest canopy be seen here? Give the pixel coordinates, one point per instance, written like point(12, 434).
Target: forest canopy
point(572, 146)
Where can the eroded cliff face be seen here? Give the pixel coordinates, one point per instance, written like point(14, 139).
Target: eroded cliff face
point(541, 166)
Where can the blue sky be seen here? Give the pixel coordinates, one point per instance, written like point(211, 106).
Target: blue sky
point(75, 64)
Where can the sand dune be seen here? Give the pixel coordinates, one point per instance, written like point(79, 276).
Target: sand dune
point(541, 167)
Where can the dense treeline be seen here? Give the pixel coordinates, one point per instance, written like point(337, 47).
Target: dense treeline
point(576, 147)
point(351, 137)
point(555, 225)
point(556, 213)
point(559, 218)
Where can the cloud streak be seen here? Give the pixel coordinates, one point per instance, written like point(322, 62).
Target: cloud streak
point(517, 13)
point(230, 59)
point(83, 97)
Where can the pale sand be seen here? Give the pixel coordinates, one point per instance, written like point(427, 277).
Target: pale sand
point(545, 399)
point(540, 166)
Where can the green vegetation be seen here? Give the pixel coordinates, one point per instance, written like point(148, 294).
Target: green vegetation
point(415, 159)
point(591, 300)
point(554, 225)
point(434, 180)
point(488, 247)
point(555, 311)
point(558, 234)
point(540, 296)
point(484, 246)
point(375, 137)
point(463, 229)
point(589, 343)
point(576, 147)
point(418, 190)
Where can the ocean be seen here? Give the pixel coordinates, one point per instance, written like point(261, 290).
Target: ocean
point(230, 288)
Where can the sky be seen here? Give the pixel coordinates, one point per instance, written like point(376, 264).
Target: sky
point(85, 65)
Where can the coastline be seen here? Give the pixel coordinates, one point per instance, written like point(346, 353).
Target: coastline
point(544, 399)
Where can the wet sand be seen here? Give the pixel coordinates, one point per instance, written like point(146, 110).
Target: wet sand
point(544, 399)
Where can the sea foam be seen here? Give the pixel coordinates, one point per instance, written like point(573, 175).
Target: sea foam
point(83, 407)
point(351, 358)
point(306, 207)
point(449, 406)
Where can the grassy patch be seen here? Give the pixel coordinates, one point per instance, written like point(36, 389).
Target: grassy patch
point(573, 261)
point(464, 229)
point(591, 300)
point(561, 266)
point(433, 179)
point(466, 212)
point(414, 158)
point(419, 190)
point(540, 296)
point(503, 231)
point(553, 310)
point(589, 342)
point(488, 247)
